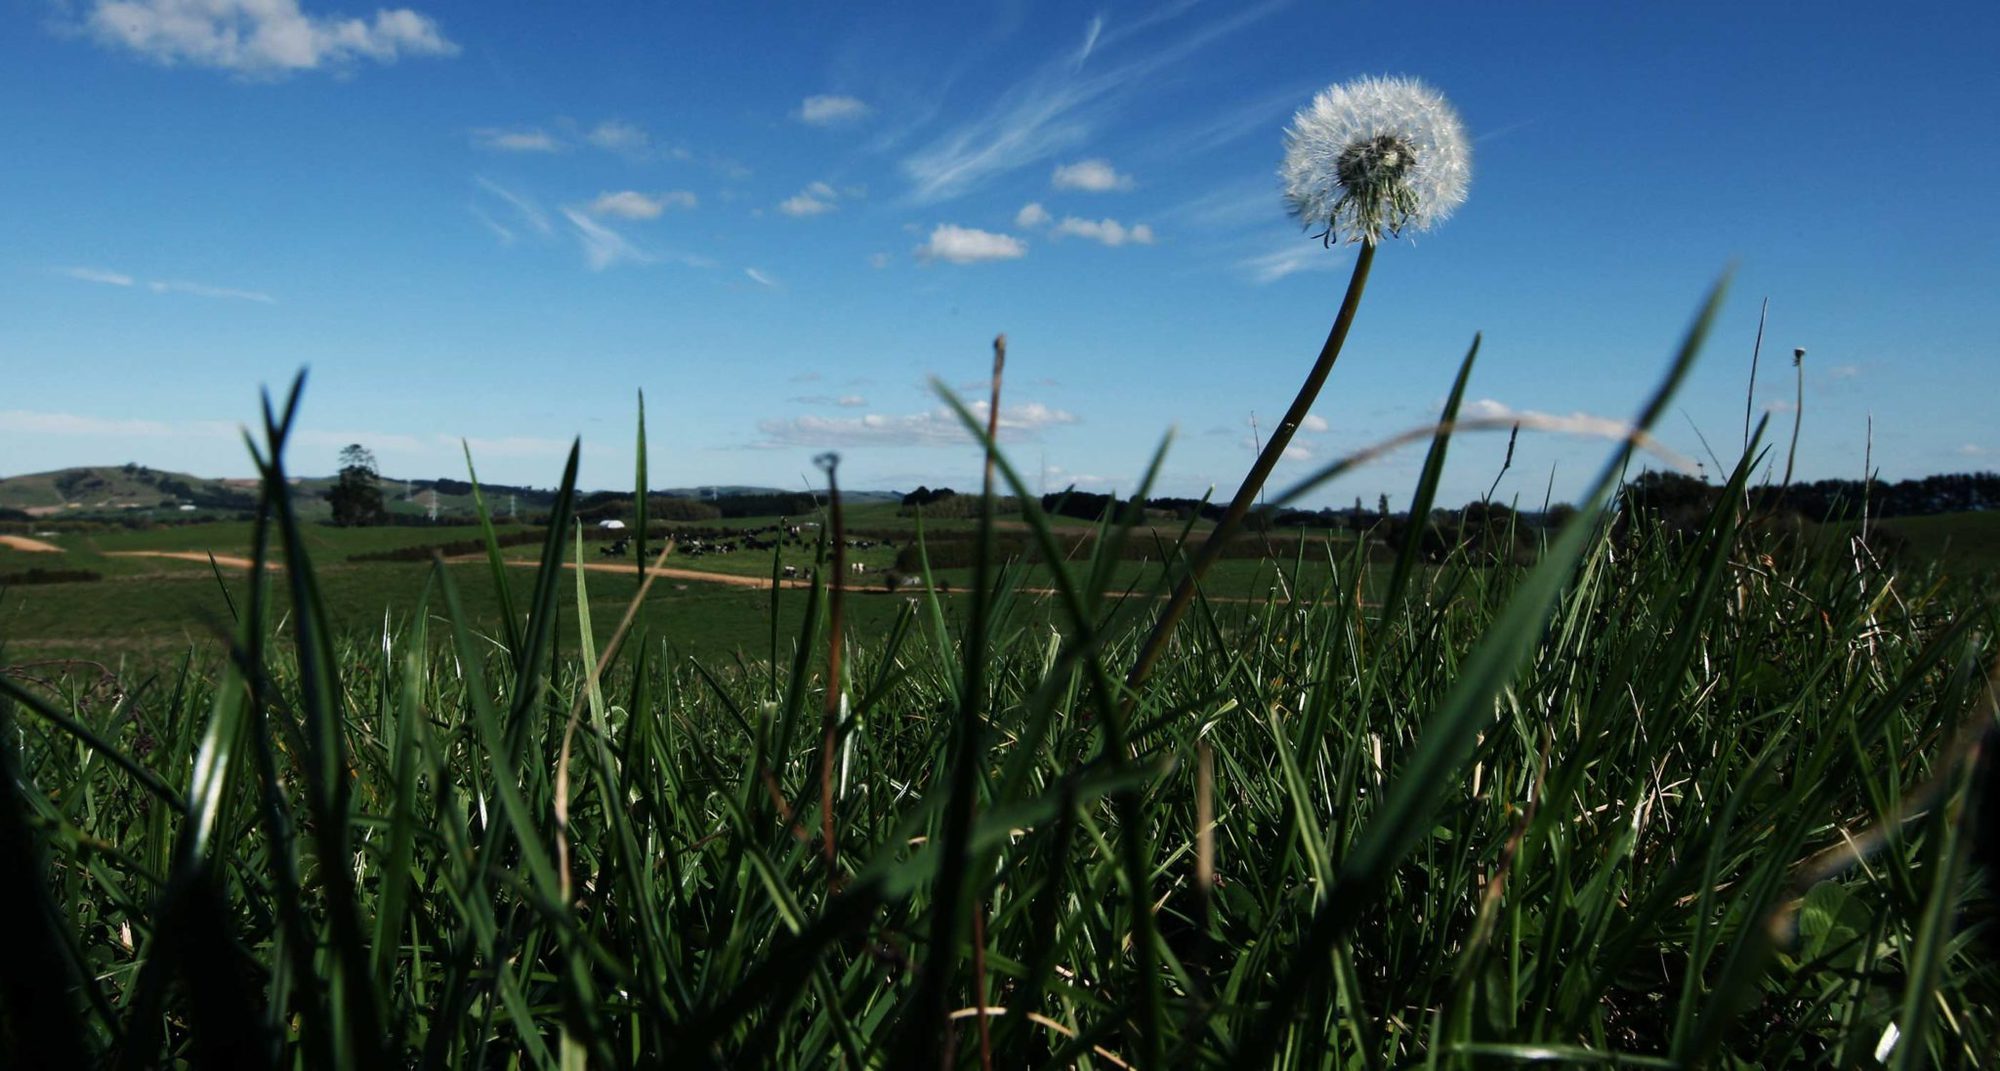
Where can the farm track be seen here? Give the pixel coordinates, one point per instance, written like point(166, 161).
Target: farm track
point(201, 556)
point(32, 546)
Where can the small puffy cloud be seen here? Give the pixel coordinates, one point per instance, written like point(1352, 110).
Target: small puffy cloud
point(1298, 452)
point(96, 275)
point(1093, 176)
point(1108, 231)
point(811, 201)
point(968, 245)
point(617, 135)
point(1972, 450)
point(527, 139)
point(851, 401)
point(831, 110)
point(1032, 214)
point(260, 38)
point(631, 204)
point(1313, 422)
point(934, 427)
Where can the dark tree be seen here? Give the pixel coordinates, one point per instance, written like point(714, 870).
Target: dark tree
point(357, 498)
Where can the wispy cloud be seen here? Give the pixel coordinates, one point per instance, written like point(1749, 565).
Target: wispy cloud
point(179, 286)
point(844, 401)
point(935, 427)
point(1107, 231)
point(967, 245)
point(603, 247)
point(31, 422)
point(523, 206)
point(1295, 256)
point(831, 110)
point(1091, 176)
point(631, 204)
point(96, 275)
point(260, 38)
point(762, 279)
point(165, 286)
point(1236, 207)
point(1964, 450)
point(521, 139)
point(505, 235)
point(1057, 107)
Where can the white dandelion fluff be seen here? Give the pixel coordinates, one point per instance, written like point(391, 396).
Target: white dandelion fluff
point(1375, 156)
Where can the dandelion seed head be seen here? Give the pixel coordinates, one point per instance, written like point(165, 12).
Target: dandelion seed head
point(1375, 156)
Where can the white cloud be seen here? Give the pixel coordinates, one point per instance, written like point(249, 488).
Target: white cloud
point(1297, 452)
point(526, 139)
point(618, 136)
point(505, 235)
point(96, 275)
point(1296, 256)
point(1843, 371)
point(760, 278)
point(828, 110)
point(1971, 450)
point(524, 206)
point(880, 260)
point(851, 401)
point(938, 426)
point(1498, 416)
point(1313, 422)
point(1032, 214)
point(164, 286)
point(204, 290)
point(1108, 231)
point(967, 245)
point(30, 422)
point(1060, 106)
point(1094, 176)
point(631, 204)
point(267, 38)
point(812, 201)
point(603, 247)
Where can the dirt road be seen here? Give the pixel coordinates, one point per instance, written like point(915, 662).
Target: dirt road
point(33, 546)
point(230, 560)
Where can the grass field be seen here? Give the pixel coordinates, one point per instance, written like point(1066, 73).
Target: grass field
point(1659, 799)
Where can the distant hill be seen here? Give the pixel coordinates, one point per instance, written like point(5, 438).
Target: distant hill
point(102, 491)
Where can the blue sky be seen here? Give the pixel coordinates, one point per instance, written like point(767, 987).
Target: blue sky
point(781, 221)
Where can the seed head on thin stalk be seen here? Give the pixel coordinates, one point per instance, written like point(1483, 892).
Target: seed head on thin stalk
point(1375, 155)
point(1371, 156)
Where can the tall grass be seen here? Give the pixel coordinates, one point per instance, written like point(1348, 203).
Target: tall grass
point(1655, 801)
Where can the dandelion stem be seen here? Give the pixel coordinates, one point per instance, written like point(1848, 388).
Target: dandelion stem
point(1267, 459)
